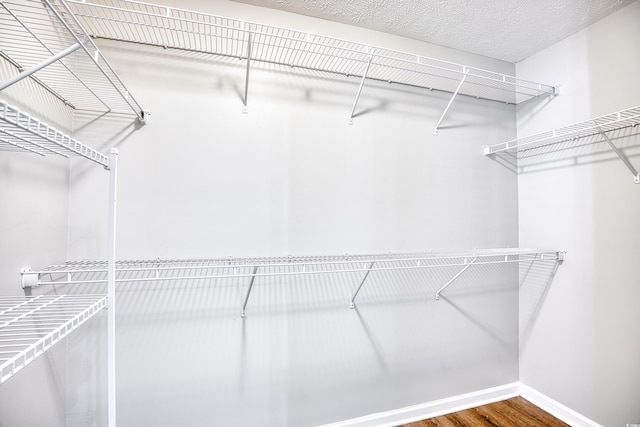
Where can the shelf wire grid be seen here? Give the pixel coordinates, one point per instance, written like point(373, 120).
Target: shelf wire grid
point(158, 270)
point(35, 30)
point(22, 132)
point(29, 326)
point(149, 24)
point(569, 135)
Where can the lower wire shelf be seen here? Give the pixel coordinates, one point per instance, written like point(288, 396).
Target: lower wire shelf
point(29, 326)
point(162, 270)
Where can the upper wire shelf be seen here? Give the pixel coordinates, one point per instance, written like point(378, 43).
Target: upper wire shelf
point(169, 27)
point(570, 136)
point(21, 132)
point(43, 40)
point(29, 326)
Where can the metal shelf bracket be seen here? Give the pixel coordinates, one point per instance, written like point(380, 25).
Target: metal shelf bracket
point(455, 277)
point(246, 298)
point(623, 157)
point(29, 279)
point(353, 299)
point(444, 113)
point(364, 77)
point(246, 81)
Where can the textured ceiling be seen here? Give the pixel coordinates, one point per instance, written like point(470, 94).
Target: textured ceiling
point(510, 30)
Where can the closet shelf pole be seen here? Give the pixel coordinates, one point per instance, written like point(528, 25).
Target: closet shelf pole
point(621, 155)
point(111, 290)
point(353, 299)
point(444, 113)
point(246, 81)
point(26, 73)
point(246, 298)
point(454, 278)
point(364, 77)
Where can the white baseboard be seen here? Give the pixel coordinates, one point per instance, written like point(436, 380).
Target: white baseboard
point(433, 409)
point(461, 402)
point(555, 408)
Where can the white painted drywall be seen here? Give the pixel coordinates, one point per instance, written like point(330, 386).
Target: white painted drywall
point(580, 346)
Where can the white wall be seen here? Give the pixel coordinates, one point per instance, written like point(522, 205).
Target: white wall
point(581, 347)
point(292, 177)
point(34, 202)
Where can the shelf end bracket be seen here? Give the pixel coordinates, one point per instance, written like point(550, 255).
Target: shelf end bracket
point(29, 279)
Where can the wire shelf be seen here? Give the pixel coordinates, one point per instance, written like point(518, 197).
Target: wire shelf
point(29, 326)
point(21, 132)
point(158, 270)
point(607, 123)
point(149, 24)
point(572, 136)
point(35, 31)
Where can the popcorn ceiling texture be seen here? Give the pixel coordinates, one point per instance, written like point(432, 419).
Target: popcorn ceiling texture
point(510, 30)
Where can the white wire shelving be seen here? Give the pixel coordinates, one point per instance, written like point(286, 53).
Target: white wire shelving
point(20, 131)
point(44, 41)
point(570, 136)
point(160, 270)
point(29, 326)
point(174, 28)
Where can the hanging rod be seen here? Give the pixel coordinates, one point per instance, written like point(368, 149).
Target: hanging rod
point(168, 27)
point(45, 40)
point(570, 135)
point(29, 326)
point(20, 131)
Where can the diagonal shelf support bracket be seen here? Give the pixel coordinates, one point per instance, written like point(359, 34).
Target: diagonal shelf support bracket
point(444, 113)
point(246, 298)
point(26, 73)
point(364, 77)
point(246, 80)
point(455, 277)
point(623, 157)
point(353, 299)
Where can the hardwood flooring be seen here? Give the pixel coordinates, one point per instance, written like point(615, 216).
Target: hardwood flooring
point(515, 412)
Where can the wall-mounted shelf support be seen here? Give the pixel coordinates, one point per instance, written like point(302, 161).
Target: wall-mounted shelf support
point(246, 298)
point(26, 73)
point(621, 156)
point(455, 93)
point(455, 277)
point(355, 294)
point(364, 77)
point(246, 80)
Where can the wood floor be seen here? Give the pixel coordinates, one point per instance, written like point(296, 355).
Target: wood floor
point(516, 412)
